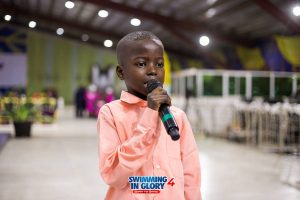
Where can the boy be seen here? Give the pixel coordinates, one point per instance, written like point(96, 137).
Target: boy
point(133, 142)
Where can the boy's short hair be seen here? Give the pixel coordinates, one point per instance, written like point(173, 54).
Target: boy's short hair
point(135, 36)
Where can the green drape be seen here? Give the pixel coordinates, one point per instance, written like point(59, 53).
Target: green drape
point(62, 64)
point(62, 68)
point(85, 59)
point(35, 61)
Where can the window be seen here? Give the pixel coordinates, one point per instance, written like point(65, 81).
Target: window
point(212, 85)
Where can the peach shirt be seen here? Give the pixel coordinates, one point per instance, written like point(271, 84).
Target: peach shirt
point(134, 142)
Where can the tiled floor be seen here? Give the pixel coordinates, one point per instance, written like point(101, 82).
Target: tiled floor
point(59, 162)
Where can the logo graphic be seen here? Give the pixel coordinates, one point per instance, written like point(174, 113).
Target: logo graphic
point(149, 184)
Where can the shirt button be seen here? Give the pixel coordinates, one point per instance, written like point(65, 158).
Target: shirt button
point(157, 166)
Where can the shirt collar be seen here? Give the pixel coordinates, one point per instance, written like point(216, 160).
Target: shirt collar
point(131, 99)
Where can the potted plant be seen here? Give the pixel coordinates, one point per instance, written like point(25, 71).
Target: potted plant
point(22, 113)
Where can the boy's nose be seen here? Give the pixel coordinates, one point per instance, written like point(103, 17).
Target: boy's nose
point(151, 70)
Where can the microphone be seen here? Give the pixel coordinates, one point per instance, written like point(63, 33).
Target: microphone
point(164, 113)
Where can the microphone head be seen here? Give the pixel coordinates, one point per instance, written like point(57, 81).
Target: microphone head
point(152, 84)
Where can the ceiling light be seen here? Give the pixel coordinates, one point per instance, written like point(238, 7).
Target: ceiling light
point(60, 31)
point(103, 13)
point(85, 37)
point(7, 17)
point(296, 10)
point(108, 43)
point(32, 24)
point(69, 4)
point(204, 40)
point(135, 22)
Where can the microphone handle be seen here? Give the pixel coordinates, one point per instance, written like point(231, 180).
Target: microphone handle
point(169, 122)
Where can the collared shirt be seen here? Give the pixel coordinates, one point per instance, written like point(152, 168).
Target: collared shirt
point(133, 142)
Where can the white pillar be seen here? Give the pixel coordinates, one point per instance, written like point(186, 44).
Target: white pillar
point(190, 82)
point(237, 85)
point(225, 85)
point(294, 86)
point(199, 80)
point(272, 86)
point(248, 85)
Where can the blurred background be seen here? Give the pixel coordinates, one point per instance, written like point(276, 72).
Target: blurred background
point(232, 66)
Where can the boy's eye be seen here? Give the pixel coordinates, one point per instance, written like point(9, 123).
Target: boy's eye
point(160, 65)
point(141, 64)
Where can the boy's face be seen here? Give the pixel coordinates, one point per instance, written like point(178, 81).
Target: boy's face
point(142, 61)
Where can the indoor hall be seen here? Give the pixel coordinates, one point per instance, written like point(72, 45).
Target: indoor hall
point(60, 161)
point(231, 72)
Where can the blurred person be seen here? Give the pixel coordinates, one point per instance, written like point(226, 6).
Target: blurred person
point(135, 150)
point(109, 94)
point(80, 102)
point(92, 96)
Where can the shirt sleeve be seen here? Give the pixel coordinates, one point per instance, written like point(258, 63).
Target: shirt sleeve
point(190, 161)
point(119, 160)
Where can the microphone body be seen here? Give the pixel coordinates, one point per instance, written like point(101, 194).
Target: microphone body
point(165, 113)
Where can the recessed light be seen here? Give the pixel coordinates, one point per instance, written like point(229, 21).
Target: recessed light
point(69, 4)
point(60, 31)
point(103, 13)
point(204, 40)
point(135, 22)
point(296, 11)
point(32, 24)
point(108, 43)
point(7, 17)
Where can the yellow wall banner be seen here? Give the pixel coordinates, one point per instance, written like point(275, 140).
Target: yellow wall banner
point(289, 47)
point(167, 65)
point(251, 58)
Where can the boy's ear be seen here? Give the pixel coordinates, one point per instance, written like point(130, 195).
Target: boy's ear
point(119, 71)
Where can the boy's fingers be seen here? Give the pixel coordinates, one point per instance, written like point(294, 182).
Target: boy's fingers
point(157, 97)
point(159, 90)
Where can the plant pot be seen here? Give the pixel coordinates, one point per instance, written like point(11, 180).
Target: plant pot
point(22, 129)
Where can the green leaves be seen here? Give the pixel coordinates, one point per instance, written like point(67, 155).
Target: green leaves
point(20, 111)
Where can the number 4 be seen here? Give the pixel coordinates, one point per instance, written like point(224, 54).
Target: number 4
point(171, 182)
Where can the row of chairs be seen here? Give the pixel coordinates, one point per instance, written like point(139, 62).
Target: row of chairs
point(273, 126)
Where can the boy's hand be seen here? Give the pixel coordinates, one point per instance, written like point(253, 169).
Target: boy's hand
point(157, 97)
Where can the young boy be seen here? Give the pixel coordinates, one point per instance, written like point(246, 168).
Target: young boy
point(138, 159)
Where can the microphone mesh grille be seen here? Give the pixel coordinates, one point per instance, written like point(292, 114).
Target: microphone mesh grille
point(152, 84)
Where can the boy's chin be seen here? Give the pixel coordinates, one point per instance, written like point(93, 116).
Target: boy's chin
point(141, 95)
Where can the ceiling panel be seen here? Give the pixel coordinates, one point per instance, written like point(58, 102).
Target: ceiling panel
point(228, 22)
point(59, 9)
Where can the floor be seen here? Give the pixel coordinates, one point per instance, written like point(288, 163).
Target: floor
point(59, 162)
